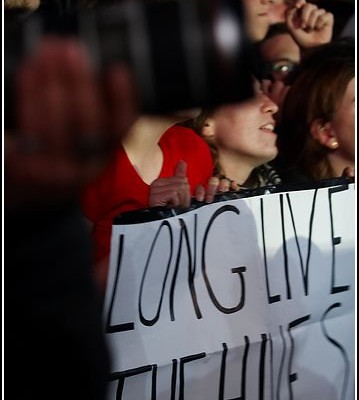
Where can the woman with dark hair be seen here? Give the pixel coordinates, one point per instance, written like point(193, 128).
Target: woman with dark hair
point(317, 130)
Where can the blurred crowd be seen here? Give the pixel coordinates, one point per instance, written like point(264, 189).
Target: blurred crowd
point(80, 151)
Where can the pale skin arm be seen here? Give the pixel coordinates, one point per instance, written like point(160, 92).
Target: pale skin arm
point(309, 25)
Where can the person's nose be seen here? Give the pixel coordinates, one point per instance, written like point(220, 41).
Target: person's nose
point(268, 105)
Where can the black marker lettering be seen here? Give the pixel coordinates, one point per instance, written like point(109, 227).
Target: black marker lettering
point(262, 366)
point(281, 366)
point(222, 376)
point(145, 321)
point(130, 326)
point(293, 376)
point(121, 376)
point(191, 268)
point(304, 271)
point(271, 365)
point(335, 240)
point(339, 347)
point(183, 361)
point(285, 254)
point(174, 379)
point(239, 270)
point(275, 298)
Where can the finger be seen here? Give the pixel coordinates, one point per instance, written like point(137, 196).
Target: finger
point(183, 193)
point(35, 91)
point(85, 118)
point(185, 196)
point(235, 186)
point(224, 185)
point(27, 111)
point(58, 93)
point(349, 172)
point(293, 19)
point(181, 169)
point(46, 95)
point(84, 105)
point(212, 188)
point(171, 199)
point(299, 3)
point(306, 13)
point(170, 181)
point(163, 198)
point(200, 193)
point(325, 19)
point(313, 19)
point(166, 191)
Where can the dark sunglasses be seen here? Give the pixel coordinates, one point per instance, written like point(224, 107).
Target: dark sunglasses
point(277, 70)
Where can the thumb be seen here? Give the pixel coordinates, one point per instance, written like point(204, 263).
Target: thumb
point(181, 169)
point(349, 172)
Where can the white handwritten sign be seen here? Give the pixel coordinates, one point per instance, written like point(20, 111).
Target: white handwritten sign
point(237, 300)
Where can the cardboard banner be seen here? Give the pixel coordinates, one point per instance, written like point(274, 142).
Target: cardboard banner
point(242, 299)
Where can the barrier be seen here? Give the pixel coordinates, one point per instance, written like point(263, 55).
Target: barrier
point(242, 299)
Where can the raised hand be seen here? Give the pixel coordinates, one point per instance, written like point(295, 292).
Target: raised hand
point(173, 191)
point(67, 122)
point(309, 25)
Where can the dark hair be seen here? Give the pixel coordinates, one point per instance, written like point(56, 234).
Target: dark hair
point(279, 28)
point(265, 69)
point(315, 94)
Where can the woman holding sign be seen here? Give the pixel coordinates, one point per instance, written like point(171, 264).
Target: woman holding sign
point(242, 139)
point(156, 165)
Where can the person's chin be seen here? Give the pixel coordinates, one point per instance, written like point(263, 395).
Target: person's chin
point(259, 34)
point(270, 155)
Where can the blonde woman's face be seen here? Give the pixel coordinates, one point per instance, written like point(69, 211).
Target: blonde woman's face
point(247, 130)
point(343, 123)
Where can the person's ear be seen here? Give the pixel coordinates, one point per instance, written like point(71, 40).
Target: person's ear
point(208, 130)
point(323, 133)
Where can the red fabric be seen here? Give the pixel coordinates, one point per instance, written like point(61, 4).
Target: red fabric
point(120, 188)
